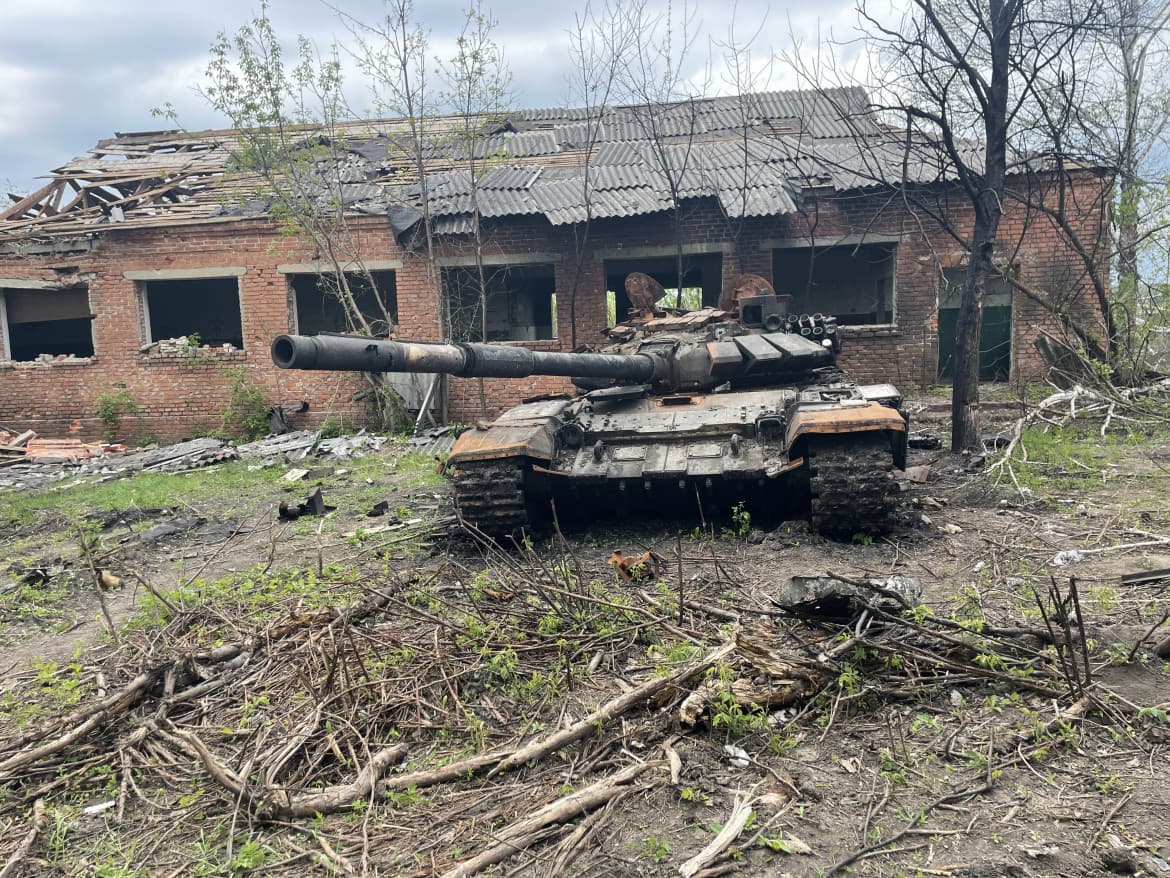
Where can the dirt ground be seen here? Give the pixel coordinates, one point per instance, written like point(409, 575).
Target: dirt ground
point(260, 661)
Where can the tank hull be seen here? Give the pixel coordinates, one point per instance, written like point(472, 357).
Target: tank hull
point(822, 450)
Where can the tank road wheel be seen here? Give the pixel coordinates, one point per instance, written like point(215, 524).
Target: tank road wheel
point(849, 478)
point(489, 494)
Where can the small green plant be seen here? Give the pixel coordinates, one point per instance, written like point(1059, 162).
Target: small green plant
point(250, 857)
point(694, 796)
point(741, 521)
point(655, 849)
point(114, 402)
point(245, 412)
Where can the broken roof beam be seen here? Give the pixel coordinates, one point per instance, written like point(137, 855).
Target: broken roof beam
point(28, 202)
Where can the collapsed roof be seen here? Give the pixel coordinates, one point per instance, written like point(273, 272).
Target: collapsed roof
point(755, 153)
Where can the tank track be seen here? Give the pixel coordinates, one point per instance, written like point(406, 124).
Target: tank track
point(852, 491)
point(489, 494)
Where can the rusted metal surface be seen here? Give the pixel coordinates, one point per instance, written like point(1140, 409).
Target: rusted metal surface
point(841, 418)
point(534, 439)
point(730, 408)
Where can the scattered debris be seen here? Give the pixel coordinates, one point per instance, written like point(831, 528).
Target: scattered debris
point(379, 508)
point(314, 504)
point(918, 474)
point(833, 598)
point(646, 567)
point(737, 756)
point(924, 440)
point(1145, 576)
point(169, 528)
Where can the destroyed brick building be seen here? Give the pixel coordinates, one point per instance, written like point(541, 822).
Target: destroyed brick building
point(152, 269)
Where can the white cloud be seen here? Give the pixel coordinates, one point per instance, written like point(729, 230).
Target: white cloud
point(75, 71)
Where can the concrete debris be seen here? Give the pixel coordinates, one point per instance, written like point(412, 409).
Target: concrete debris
point(357, 445)
point(831, 598)
point(40, 462)
point(918, 474)
point(438, 440)
point(294, 446)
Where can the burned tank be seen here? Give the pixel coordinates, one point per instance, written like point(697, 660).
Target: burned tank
point(681, 413)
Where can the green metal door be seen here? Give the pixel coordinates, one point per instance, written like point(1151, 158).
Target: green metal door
point(995, 342)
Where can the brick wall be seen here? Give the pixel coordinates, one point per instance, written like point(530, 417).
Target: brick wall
point(181, 394)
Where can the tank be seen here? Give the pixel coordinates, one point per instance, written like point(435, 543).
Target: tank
point(677, 413)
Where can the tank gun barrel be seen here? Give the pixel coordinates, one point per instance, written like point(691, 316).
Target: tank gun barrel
point(349, 353)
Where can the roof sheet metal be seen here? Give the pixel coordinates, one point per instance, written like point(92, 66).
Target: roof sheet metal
point(505, 202)
point(509, 178)
point(753, 153)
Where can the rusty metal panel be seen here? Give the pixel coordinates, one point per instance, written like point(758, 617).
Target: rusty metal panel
point(844, 419)
point(725, 358)
point(523, 440)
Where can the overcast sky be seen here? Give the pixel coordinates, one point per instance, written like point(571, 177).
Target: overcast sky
point(75, 71)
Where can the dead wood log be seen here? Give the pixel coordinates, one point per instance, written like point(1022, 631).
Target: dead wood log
point(729, 833)
point(610, 711)
point(30, 838)
point(788, 679)
point(332, 799)
point(521, 834)
point(273, 804)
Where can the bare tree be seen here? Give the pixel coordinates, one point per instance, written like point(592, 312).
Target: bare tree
point(662, 99)
point(598, 44)
point(289, 133)
point(961, 80)
point(394, 56)
point(477, 92)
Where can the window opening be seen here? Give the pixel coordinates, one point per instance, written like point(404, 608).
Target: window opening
point(319, 307)
point(854, 283)
point(207, 310)
point(702, 282)
point(53, 322)
point(521, 302)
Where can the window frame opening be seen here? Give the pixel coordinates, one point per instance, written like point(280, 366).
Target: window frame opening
point(66, 330)
point(702, 281)
point(315, 296)
point(521, 302)
point(850, 291)
point(157, 328)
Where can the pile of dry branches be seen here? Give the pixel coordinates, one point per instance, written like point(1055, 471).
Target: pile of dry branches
point(472, 713)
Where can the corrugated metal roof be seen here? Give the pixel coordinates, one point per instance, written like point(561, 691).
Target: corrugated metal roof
point(509, 178)
point(532, 163)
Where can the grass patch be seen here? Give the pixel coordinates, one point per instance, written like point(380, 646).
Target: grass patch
point(1060, 459)
point(141, 491)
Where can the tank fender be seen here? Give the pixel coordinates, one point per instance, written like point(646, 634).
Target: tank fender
point(526, 431)
point(838, 420)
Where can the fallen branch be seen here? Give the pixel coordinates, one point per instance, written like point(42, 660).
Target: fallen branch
point(615, 708)
point(521, 834)
point(30, 838)
point(273, 804)
point(738, 819)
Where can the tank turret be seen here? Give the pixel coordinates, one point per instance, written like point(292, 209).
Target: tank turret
point(700, 350)
point(701, 410)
